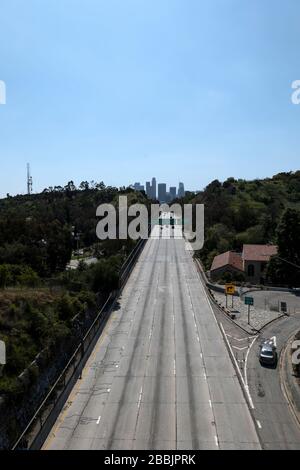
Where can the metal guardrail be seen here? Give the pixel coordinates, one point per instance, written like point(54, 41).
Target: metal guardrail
point(71, 371)
point(44, 418)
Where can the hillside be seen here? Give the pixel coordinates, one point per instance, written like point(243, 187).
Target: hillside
point(240, 211)
point(44, 308)
point(41, 230)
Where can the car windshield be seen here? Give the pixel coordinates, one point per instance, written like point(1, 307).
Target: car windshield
point(267, 353)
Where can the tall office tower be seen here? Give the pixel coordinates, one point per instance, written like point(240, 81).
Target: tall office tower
point(138, 187)
point(181, 191)
point(153, 188)
point(173, 192)
point(148, 189)
point(168, 197)
point(162, 192)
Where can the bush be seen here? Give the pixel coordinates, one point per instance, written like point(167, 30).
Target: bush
point(12, 275)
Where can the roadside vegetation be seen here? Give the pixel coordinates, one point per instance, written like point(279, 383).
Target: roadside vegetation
point(262, 211)
point(45, 308)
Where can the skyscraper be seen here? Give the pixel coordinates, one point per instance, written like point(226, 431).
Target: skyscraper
point(153, 187)
point(138, 187)
point(148, 189)
point(181, 191)
point(162, 192)
point(173, 192)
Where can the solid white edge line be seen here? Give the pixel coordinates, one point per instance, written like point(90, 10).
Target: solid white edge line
point(228, 344)
point(99, 419)
point(246, 361)
point(238, 369)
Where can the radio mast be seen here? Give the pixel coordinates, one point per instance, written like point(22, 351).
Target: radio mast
point(29, 180)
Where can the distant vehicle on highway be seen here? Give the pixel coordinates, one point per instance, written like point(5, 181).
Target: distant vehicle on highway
point(268, 353)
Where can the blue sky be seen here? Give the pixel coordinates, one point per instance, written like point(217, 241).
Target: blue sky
point(122, 90)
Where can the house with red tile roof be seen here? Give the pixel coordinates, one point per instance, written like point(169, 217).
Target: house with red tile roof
point(230, 262)
point(251, 263)
point(255, 260)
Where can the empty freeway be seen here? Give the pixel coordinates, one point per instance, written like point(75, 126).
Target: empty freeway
point(160, 376)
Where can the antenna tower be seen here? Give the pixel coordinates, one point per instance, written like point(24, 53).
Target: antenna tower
point(29, 180)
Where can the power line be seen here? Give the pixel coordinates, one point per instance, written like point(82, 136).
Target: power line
point(289, 262)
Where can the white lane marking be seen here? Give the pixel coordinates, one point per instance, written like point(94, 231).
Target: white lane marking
point(205, 375)
point(210, 403)
point(201, 355)
point(240, 349)
point(258, 424)
point(198, 339)
point(239, 339)
point(98, 420)
point(216, 441)
point(140, 397)
point(108, 390)
point(246, 360)
point(174, 367)
point(226, 339)
point(237, 366)
point(117, 365)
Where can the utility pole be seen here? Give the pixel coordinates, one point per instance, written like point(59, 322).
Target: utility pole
point(29, 180)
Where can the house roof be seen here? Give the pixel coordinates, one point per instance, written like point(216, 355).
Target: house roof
point(258, 252)
point(229, 258)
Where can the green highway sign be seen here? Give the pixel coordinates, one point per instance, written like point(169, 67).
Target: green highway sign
point(249, 301)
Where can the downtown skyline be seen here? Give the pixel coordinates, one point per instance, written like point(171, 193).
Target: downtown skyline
point(159, 191)
point(185, 89)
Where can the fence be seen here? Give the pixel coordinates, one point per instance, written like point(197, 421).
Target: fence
point(44, 418)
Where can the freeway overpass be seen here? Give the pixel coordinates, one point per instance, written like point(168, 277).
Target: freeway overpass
point(160, 376)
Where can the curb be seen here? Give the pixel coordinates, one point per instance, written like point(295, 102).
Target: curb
point(217, 305)
point(282, 375)
point(244, 387)
point(272, 321)
point(255, 331)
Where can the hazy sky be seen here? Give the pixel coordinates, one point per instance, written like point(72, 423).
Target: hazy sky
point(121, 90)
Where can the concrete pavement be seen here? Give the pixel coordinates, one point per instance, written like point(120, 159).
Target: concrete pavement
point(160, 376)
point(278, 427)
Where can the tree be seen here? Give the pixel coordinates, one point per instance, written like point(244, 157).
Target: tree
point(282, 269)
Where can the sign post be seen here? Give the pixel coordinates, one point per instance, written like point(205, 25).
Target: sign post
point(229, 290)
point(249, 301)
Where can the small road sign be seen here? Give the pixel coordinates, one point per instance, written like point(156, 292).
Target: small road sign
point(229, 289)
point(249, 301)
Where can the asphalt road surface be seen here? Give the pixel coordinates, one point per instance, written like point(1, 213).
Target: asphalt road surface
point(160, 376)
point(278, 428)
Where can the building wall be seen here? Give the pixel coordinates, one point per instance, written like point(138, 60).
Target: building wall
point(256, 268)
point(217, 273)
